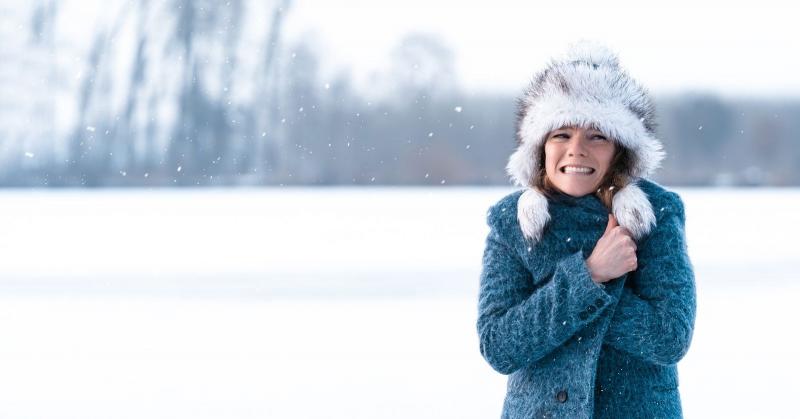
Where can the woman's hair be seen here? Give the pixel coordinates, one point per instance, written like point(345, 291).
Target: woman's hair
point(617, 177)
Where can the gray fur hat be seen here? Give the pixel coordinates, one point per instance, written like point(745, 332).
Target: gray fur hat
point(587, 87)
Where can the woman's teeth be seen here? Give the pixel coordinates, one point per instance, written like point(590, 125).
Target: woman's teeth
point(583, 170)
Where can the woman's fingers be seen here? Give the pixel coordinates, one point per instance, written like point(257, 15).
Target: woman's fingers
point(628, 236)
point(615, 252)
point(631, 242)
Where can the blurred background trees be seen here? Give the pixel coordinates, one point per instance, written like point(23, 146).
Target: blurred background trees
point(195, 93)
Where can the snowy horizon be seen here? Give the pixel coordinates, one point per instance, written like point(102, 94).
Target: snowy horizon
point(249, 303)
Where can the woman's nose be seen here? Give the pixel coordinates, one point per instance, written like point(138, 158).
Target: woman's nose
point(575, 147)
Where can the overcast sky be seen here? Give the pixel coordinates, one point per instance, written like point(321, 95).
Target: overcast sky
point(671, 47)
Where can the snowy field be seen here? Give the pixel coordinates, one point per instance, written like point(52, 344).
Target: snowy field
point(336, 303)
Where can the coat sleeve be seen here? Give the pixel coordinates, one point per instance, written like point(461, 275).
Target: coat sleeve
point(518, 323)
point(654, 319)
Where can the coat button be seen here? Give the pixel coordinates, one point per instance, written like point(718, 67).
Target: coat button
point(591, 309)
point(583, 315)
point(598, 302)
point(561, 396)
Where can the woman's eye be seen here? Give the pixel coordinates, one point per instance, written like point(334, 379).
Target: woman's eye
point(561, 135)
point(599, 137)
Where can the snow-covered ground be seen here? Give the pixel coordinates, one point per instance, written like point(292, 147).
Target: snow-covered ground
point(335, 303)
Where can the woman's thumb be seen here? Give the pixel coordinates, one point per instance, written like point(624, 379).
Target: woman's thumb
point(612, 222)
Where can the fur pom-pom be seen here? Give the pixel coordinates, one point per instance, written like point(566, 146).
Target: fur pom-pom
point(532, 214)
point(592, 53)
point(633, 210)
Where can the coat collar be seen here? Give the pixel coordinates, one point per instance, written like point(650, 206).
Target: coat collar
point(630, 206)
point(589, 202)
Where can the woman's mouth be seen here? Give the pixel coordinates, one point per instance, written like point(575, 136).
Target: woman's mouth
point(577, 170)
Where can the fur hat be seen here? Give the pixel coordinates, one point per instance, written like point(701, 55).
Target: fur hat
point(587, 87)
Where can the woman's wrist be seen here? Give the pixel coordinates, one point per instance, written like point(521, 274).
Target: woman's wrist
point(597, 279)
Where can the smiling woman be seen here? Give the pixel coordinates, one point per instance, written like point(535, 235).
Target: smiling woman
point(587, 296)
point(577, 159)
point(589, 157)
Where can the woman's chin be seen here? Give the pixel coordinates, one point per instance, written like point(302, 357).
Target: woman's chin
point(576, 190)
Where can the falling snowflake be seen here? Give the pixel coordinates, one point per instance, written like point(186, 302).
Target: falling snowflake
point(457, 109)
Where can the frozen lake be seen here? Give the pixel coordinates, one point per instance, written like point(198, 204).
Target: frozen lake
point(335, 303)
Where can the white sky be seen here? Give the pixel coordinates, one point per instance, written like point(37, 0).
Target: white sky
point(675, 46)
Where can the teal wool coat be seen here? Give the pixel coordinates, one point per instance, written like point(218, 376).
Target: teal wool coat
point(576, 349)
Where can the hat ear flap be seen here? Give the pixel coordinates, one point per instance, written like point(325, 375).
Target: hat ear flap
point(521, 165)
point(532, 213)
point(633, 210)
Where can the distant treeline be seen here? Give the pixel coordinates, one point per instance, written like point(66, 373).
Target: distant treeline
point(206, 101)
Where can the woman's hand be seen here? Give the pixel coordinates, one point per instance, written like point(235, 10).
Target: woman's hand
point(614, 254)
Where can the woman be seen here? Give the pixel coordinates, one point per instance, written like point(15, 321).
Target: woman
point(587, 296)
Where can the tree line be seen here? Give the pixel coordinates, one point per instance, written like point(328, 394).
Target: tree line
point(217, 98)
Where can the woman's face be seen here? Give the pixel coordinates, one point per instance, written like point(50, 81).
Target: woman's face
point(585, 149)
